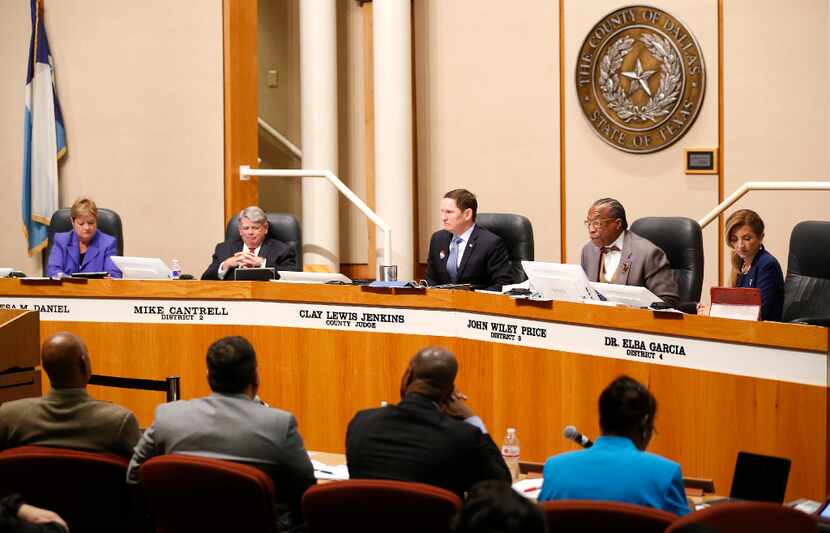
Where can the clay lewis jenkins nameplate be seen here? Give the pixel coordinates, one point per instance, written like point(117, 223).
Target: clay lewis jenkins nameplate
point(640, 79)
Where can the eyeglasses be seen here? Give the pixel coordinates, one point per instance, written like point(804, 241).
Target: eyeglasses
point(596, 223)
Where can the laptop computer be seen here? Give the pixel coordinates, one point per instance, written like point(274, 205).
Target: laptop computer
point(759, 478)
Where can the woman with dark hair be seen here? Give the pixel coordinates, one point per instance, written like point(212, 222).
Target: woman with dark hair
point(752, 265)
point(84, 248)
point(617, 467)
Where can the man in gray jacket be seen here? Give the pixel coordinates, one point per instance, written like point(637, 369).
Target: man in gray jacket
point(232, 424)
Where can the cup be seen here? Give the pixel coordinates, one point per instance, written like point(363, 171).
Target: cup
point(387, 272)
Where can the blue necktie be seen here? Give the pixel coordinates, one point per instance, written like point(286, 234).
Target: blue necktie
point(452, 260)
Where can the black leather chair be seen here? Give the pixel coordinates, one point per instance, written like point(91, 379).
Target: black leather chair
point(682, 241)
point(281, 226)
point(517, 234)
point(108, 221)
point(807, 287)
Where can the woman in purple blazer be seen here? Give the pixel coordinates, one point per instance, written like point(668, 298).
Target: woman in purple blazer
point(84, 249)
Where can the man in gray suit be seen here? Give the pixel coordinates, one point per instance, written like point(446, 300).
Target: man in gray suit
point(67, 417)
point(234, 425)
point(616, 255)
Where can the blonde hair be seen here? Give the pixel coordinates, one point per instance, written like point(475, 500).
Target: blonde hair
point(737, 220)
point(84, 206)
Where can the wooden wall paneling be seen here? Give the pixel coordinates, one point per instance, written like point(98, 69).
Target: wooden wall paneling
point(240, 102)
point(369, 122)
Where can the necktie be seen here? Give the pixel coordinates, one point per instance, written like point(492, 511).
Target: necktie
point(452, 260)
point(252, 250)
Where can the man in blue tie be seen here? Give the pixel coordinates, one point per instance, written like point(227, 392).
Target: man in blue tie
point(463, 252)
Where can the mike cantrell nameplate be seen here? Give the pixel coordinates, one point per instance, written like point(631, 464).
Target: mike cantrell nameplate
point(640, 79)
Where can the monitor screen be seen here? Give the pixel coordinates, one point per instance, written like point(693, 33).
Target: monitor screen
point(630, 295)
point(141, 267)
point(761, 478)
point(559, 281)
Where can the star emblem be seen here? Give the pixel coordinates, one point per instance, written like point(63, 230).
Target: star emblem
point(638, 78)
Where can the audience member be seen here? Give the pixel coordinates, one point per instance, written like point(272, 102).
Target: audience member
point(252, 248)
point(432, 436)
point(616, 255)
point(464, 252)
point(617, 467)
point(84, 248)
point(19, 517)
point(494, 507)
point(67, 417)
point(234, 425)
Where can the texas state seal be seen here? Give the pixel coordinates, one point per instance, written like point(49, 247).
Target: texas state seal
point(640, 79)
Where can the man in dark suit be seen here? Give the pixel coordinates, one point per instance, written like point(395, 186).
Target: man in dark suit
point(616, 255)
point(463, 252)
point(432, 436)
point(253, 248)
point(67, 417)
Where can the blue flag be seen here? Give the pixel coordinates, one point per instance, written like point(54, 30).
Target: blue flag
point(44, 140)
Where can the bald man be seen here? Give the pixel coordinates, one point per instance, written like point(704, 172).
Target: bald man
point(67, 417)
point(432, 436)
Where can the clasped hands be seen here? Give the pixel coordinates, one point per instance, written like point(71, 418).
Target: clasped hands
point(456, 406)
point(242, 260)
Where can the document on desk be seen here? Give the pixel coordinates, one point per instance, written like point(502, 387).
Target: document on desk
point(324, 471)
point(529, 487)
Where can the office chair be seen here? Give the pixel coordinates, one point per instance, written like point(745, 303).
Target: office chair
point(281, 226)
point(108, 221)
point(682, 241)
point(374, 505)
point(807, 286)
point(189, 493)
point(87, 489)
point(583, 515)
point(517, 233)
point(746, 517)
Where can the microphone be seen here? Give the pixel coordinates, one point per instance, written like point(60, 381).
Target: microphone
point(571, 433)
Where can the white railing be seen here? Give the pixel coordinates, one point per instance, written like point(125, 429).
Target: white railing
point(762, 186)
point(245, 172)
point(280, 138)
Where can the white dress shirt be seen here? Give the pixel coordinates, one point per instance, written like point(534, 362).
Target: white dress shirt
point(611, 259)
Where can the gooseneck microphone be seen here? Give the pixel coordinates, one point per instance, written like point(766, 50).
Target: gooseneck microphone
point(571, 433)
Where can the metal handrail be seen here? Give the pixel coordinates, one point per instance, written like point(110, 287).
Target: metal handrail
point(762, 186)
point(245, 172)
point(279, 137)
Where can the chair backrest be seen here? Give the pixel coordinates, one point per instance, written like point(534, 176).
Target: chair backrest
point(108, 221)
point(86, 489)
point(281, 226)
point(372, 505)
point(583, 515)
point(747, 517)
point(517, 233)
point(682, 241)
point(807, 287)
point(189, 493)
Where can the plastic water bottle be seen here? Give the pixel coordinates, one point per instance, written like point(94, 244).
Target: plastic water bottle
point(511, 452)
point(175, 269)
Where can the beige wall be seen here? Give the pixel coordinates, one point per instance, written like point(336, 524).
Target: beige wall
point(140, 85)
point(487, 100)
point(776, 110)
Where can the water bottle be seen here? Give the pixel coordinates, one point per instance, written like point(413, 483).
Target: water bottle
point(175, 269)
point(511, 451)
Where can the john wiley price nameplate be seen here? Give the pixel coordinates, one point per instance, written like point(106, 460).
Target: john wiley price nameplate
point(640, 79)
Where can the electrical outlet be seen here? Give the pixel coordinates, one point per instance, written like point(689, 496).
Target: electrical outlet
point(273, 78)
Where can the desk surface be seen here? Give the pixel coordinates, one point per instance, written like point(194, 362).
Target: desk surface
point(327, 351)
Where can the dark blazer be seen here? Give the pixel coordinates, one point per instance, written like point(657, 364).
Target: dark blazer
point(765, 274)
point(277, 254)
point(484, 265)
point(415, 441)
point(65, 256)
point(642, 264)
